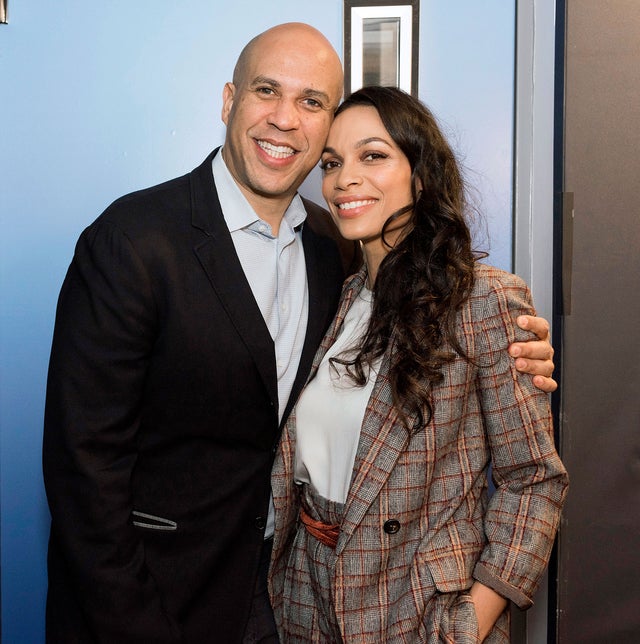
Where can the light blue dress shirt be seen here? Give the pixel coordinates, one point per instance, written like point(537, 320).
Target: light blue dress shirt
point(276, 271)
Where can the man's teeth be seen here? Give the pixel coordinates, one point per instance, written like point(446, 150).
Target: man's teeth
point(276, 151)
point(355, 204)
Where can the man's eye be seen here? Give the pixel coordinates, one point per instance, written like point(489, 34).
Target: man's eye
point(265, 90)
point(311, 102)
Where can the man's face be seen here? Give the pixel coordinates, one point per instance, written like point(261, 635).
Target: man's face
point(278, 116)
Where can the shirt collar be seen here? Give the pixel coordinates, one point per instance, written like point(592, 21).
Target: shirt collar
point(237, 211)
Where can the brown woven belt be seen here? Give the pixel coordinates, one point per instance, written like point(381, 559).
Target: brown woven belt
point(323, 532)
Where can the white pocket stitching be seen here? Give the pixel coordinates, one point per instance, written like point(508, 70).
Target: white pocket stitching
point(162, 523)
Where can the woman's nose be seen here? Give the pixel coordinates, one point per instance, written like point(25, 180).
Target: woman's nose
point(347, 176)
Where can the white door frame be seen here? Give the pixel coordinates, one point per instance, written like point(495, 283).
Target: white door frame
point(533, 189)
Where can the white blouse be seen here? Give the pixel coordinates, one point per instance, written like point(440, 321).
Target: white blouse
point(330, 411)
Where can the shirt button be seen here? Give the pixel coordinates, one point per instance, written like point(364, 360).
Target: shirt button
point(391, 526)
point(260, 523)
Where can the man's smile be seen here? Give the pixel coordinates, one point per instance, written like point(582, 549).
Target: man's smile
point(276, 151)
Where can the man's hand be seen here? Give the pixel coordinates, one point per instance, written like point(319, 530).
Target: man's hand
point(536, 356)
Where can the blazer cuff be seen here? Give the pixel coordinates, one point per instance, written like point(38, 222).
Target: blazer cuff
point(482, 574)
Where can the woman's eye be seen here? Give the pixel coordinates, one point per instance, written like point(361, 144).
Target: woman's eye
point(374, 156)
point(329, 164)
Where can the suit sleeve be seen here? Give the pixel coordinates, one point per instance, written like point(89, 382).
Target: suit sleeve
point(104, 333)
point(524, 512)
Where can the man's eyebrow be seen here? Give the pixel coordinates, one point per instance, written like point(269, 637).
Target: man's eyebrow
point(314, 93)
point(264, 80)
point(308, 91)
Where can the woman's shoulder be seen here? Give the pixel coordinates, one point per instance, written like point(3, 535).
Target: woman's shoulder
point(490, 278)
point(497, 294)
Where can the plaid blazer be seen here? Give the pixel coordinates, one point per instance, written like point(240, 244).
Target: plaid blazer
point(419, 525)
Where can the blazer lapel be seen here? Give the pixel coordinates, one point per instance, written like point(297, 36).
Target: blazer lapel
point(383, 438)
point(218, 258)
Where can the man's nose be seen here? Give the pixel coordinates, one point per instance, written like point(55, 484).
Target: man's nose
point(285, 115)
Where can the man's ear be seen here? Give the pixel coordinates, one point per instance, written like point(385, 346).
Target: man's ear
point(228, 94)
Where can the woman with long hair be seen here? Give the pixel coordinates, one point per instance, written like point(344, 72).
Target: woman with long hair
point(385, 530)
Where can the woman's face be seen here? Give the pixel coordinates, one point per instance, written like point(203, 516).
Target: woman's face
point(366, 178)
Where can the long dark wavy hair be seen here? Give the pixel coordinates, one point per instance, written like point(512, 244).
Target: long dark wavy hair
point(427, 276)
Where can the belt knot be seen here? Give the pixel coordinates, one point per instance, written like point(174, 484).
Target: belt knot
point(323, 532)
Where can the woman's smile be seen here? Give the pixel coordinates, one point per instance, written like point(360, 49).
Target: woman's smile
point(366, 179)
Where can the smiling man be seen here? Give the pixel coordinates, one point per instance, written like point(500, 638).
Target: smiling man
point(185, 329)
point(278, 111)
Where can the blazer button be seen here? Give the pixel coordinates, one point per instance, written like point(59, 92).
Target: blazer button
point(391, 526)
point(260, 523)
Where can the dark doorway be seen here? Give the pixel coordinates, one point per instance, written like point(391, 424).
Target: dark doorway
point(599, 405)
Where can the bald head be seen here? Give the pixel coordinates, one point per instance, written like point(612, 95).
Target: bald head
point(286, 87)
point(292, 37)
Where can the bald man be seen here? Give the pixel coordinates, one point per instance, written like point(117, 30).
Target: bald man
point(185, 329)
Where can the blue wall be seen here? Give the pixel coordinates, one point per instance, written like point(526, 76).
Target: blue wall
point(100, 98)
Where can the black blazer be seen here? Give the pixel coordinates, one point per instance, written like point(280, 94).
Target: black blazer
point(161, 419)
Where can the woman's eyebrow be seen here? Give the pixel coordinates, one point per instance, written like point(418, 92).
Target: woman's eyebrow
point(359, 144)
